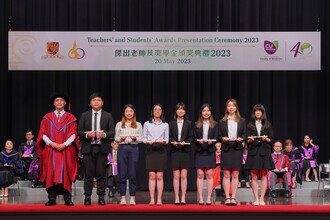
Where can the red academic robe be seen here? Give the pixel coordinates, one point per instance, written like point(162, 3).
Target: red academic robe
point(280, 163)
point(58, 167)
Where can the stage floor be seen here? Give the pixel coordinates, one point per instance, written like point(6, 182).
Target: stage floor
point(142, 197)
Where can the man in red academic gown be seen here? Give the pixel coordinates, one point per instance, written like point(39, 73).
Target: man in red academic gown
point(282, 167)
point(57, 146)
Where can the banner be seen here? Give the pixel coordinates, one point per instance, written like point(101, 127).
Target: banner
point(164, 50)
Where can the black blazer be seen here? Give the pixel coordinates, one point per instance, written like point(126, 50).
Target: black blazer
point(223, 132)
point(186, 135)
point(258, 146)
point(107, 125)
point(212, 134)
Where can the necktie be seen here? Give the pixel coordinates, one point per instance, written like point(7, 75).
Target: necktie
point(58, 116)
point(278, 156)
point(95, 121)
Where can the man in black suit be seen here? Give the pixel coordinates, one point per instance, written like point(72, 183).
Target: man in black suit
point(96, 129)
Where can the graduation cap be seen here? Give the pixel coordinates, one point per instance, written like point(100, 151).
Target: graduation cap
point(60, 95)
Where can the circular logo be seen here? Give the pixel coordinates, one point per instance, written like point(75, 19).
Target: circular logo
point(306, 48)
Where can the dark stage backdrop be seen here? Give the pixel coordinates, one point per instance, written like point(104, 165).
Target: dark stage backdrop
point(296, 102)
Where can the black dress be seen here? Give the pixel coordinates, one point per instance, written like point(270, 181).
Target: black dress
point(205, 153)
point(231, 151)
point(180, 155)
point(10, 165)
point(259, 151)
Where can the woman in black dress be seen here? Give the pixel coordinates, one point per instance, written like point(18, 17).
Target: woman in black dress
point(231, 134)
point(180, 136)
point(260, 137)
point(10, 166)
point(205, 139)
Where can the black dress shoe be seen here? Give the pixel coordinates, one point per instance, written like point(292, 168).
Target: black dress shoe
point(209, 203)
point(177, 203)
point(201, 203)
point(101, 200)
point(287, 194)
point(88, 200)
point(68, 203)
point(183, 203)
point(50, 203)
point(273, 194)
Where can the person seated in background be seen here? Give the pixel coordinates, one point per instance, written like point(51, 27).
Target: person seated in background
point(30, 159)
point(10, 166)
point(309, 151)
point(244, 174)
point(282, 170)
point(295, 158)
point(112, 170)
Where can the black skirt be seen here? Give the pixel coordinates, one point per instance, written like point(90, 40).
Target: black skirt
point(258, 162)
point(205, 160)
point(180, 160)
point(6, 178)
point(156, 157)
point(231, 158)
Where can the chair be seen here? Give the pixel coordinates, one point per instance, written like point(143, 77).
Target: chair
point(324, 169)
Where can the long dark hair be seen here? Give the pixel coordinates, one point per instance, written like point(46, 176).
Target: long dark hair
point(237, 114)
point(264, 120)
point(199, 122)
point(178, 106)
point(152, 113)
point(123, 118)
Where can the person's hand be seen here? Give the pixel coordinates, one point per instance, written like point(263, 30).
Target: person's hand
point(275, 170)
point(201, 141)
point(183, 143)
point(53, 145)
point(175, 143)
point(161, 141)
point(239, 140)
point(100, 134)
point(91, 135)
point(250, 139)
point(225, 139)
point(311, 143)
point(264, 137)
point(150, 142)
point(209, 142)
point(60, 147)
point(25, 155)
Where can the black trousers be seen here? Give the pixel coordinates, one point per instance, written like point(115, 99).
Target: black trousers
point(58, 190)
point(95, 164)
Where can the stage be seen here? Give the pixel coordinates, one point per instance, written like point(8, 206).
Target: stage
point(29, 205)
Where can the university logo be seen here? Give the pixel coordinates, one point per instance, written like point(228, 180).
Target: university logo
point(53, 51)
point(75, 52)
point(302, 49)
point(271, 47)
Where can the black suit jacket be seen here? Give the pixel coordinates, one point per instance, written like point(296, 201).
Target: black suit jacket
point(85, 124)
point(186, 135)
point(223, 132)
point(258, 146)
point(212, 134)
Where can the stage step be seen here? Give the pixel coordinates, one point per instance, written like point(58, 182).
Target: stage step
point(306, 189)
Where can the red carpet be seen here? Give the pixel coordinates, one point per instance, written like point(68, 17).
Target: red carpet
point(79, 208)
